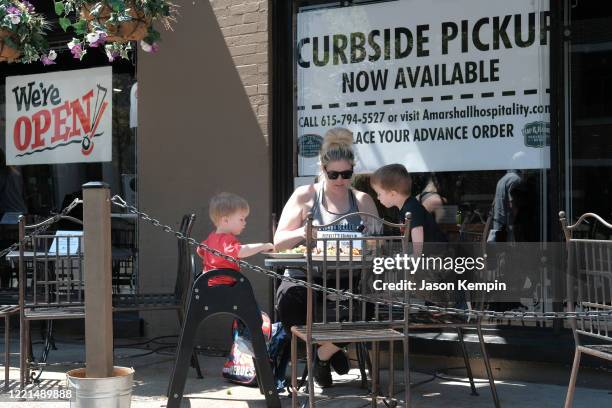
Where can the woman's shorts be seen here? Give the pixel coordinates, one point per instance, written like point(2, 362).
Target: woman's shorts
point(291, 302)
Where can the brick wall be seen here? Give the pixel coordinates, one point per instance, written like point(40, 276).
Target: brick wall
point(244, 24)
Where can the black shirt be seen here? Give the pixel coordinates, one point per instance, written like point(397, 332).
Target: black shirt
point(420, 217)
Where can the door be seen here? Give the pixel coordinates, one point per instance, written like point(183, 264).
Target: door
point(588, 98)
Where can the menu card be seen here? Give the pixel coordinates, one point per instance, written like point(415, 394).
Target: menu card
point(66, 243)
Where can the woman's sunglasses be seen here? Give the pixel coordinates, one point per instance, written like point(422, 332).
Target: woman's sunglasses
point(333, 175)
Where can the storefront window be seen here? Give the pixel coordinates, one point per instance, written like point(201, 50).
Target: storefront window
point(457, 91)
point(38, 140)
point(589, 86)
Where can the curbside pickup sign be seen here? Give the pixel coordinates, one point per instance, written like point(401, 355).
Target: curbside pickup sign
point(444, 85)
point(59, 117)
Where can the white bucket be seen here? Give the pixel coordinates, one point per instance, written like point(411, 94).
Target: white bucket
point(109, 392)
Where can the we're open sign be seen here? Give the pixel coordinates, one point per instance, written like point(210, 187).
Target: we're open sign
point(60, 117)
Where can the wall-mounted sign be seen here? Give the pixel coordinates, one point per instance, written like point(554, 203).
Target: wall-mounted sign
point(60, 117)
point(441, 85)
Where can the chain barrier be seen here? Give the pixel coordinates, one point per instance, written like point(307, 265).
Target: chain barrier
point(44, 225)
point(467, 313)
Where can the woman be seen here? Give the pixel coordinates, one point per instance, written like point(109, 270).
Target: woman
point(327, 200)
point(431, 199)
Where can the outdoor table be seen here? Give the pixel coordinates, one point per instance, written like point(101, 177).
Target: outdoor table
point(117, 254)
point(13, 256)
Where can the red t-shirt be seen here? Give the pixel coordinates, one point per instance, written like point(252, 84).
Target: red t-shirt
point(229, 245)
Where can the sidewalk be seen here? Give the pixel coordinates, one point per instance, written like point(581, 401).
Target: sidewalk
point(153, 372)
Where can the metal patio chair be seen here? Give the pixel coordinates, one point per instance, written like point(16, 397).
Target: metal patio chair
point(589, 286)
point(358, 322)
point(330, 319)
point(7, 311)
point(175, 300)
point(51, 286)
point(123, 241)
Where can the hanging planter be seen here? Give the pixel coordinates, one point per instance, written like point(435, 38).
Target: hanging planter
point(135, 29)
point(114, 24)
point(22, 34)
point(7, 52)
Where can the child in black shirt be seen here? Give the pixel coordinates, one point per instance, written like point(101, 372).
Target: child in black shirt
point(393, 185)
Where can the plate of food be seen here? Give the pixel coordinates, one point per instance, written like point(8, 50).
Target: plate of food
point(293, 253)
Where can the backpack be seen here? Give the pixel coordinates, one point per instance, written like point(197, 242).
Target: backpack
point(279, 353)
point(239, 366)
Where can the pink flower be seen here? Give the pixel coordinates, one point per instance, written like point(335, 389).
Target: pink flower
point(49, 59)
point(28, 5)
point(13, 14)
point(46, 61)
point(146, 47)
point(96, 38)
point(76, 50)
point(112, 55)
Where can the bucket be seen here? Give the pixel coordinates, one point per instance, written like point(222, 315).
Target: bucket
point(109, 392)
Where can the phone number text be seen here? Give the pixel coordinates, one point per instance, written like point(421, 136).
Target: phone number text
point(343, 119)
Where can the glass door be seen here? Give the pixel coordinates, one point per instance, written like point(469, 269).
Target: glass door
point(588, 135)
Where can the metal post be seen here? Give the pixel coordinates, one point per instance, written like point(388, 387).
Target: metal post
point(23, 343)
point(98, 280)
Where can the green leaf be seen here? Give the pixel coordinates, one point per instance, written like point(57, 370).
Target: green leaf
point(59, 9)
point(65, 23)
point(117, 5)
point(80, 27)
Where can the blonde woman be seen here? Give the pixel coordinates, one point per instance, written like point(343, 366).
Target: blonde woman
point(329, 199)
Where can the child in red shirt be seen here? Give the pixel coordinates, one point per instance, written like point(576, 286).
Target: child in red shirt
point(228, 212)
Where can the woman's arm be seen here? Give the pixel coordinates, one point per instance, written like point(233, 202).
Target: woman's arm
point(366, 204)
point(433, 203)
point(290, 230)
point(417, 238)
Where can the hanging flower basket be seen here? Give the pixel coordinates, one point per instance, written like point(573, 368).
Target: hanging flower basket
point(135, 29)
point(22, 34)
point(7, 53)
point(113, 24)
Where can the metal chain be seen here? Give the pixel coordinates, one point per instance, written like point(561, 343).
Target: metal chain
point(43, 227)
point(486, 314)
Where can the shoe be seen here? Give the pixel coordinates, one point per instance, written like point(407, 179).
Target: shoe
point(322, 373)
point(340, 362)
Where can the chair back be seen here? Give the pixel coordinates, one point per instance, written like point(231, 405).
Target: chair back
point(50, 267)
point(186, 268)
point(347, 264)
point(589, 273)
point(123, 243)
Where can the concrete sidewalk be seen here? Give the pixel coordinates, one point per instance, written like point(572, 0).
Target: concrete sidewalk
point(153, 372)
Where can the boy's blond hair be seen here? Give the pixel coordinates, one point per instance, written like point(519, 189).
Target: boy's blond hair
point(226, 204)
point(393, 177)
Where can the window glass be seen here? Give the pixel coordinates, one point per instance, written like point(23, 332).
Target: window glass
point(457, 91)
point(39, 190)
